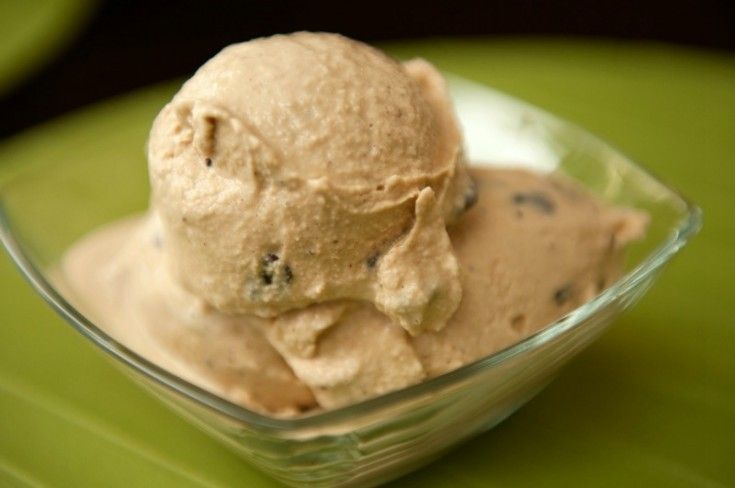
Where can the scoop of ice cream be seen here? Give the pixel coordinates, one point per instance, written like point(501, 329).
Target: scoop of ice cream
point(362, 354)
point(116, 277)
point(305, 168)
point(534, 248)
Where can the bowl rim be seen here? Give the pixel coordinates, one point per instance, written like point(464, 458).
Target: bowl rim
point(688, 225)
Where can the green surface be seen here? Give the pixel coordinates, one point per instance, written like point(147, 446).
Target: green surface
point(32, 30)
point(651, 403)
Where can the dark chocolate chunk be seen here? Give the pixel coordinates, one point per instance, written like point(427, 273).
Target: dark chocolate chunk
point(301, 408)
point(537, 200)
point(273, 271)
point(601, 284)
point(518, 322)
point(287, 274)
point(372, 260)
point(266, 276)
point(471, 197)
point(563, 294)
point(208, 162)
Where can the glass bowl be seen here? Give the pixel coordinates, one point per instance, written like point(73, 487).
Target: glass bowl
point(382, 438)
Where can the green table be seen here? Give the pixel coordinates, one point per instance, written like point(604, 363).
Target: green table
point(651, 404)
point(32, 31)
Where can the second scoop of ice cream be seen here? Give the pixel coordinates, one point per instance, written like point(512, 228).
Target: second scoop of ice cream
point(305, 168)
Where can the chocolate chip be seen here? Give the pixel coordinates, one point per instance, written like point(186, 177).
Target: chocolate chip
point(287, 274)
point(601, 284)
point(563, 294)
point(469, 200)
point(518, 322)
point(471, 197)
point(266, 268)
point(208, 162)
point(266, 276)
point(273, 271)
point(301, 408)
point(537, 200)
point(372, 260)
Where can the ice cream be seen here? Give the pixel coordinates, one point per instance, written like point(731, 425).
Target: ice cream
point(534, 248)
point(312, 240)
point(117, 277)
point(328, 164)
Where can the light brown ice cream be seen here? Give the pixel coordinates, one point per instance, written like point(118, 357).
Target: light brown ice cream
point(310, 241)
point(532, 249)
point(116, 277)
point(299, 169)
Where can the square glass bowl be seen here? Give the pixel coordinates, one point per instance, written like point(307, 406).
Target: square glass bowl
point(44, 208)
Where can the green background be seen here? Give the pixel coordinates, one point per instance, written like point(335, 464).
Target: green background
point(32, 31)
point(651, 403)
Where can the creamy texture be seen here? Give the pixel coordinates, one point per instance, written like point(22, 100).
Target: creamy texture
point(116, 277)
point(532, 249)
point(307, 168)
point(297, 255)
